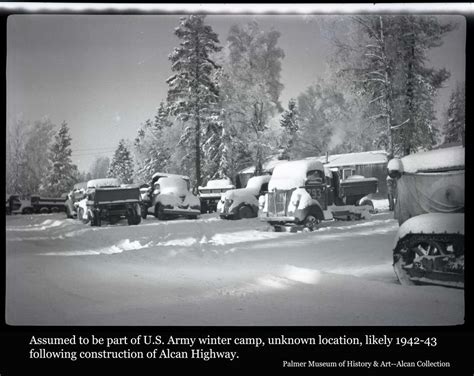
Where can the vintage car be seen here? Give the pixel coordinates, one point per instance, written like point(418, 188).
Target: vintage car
point(429, 246)
point(107, 199)
point(77, 194)
point(244, 202)
point(212, 192)
point(304, 193)
point(170, 197)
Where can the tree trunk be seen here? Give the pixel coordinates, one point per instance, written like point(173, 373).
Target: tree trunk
point(198, 151)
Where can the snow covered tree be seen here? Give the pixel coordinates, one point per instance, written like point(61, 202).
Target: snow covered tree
point(152, 146)
point(27, 156)
point(63, 173)
point(454, 128)
point(289, 122)
point(254, 69)
point(419, 83)
point(121, 166)
point(321, 110)
point(192, 93)
point(386, 62)
point(99, 168)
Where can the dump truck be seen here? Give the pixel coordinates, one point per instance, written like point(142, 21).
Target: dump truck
point(429, 246)
point(107, 200)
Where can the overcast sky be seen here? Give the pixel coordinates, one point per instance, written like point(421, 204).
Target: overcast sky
point(105, 74)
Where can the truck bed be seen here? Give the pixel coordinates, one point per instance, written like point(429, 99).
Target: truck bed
point(116, 195)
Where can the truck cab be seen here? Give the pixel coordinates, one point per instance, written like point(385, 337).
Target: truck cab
point(306, 192)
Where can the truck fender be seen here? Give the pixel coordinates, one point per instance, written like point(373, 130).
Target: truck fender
point(315, 209)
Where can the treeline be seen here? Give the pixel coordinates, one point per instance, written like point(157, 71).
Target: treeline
point(223, 111)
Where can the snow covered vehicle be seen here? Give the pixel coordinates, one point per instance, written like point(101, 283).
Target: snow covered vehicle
point(244, 202)
point(107, 200)
point(73, 198)
point(429, 247)
point(45, 205)
point(304, 193)
point(212, 192)
point(12, 204)
point(170, 197)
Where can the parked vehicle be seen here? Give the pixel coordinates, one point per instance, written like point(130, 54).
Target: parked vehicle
point(304, 193)
point(429, 246)
point(244, 202)
point(77, 194)
point(45, 205)
point(170, 197)
point(212, 192)
point(107, 200)
point(12, 204)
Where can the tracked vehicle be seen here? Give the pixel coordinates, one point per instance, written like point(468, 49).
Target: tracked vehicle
point(429, 247)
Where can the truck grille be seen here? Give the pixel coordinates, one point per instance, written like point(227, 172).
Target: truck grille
point(278, 203)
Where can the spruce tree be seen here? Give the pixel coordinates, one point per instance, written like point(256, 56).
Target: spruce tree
point(121, 166)
point(63, 173)
point(192, 94)
point(455, 124)
point(289, 123)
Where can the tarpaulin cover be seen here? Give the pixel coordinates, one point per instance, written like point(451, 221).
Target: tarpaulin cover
point(417, 194)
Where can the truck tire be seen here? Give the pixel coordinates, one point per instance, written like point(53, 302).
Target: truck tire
point(96, 220)
point(311, 222)
point(246, 212)
point(144, 212)
point(369, 203)
point(68, 212)
point(27, 211)
point(44, 211)
point(159, 212)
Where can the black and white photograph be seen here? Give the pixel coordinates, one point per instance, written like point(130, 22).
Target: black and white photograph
point(235, 169)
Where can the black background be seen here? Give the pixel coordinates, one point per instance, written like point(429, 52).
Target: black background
point(454, 342)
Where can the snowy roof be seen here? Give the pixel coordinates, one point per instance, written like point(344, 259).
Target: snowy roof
point(173, 184)
point(165, 174)
point(267, 166)
point(354, 159)
point(99, 183)
point(293, 174)
point(219, 183)
point(433, 160)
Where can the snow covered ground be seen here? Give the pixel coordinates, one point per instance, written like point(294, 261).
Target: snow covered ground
point(213, 272)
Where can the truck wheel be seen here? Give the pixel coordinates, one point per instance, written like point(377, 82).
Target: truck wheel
point(204, 207)
point(369, 203)
point(246, 212)
point(159, 212)
point(144, 211)
point(54, 210)
point(311, 222)
point(68, 212)
point(44, 211)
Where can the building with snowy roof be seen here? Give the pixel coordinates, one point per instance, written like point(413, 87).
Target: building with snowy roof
point(368, 164)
